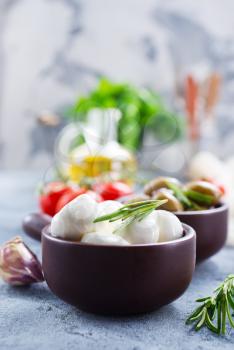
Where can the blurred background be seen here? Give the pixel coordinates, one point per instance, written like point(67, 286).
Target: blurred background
point(52, 52)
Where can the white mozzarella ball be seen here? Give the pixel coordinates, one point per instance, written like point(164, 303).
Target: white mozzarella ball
point(170, 227)
point(103, 239)
point(105, 208)
point(82, 211)
point(63, 227)
point(75, 219)
point(143, 232)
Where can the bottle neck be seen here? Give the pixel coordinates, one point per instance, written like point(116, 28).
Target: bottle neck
point(102, 126)
point(111, 118)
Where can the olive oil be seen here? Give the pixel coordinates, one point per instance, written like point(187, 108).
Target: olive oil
point(101, 154)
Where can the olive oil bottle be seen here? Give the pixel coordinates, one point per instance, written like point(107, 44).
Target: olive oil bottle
point(100, 154)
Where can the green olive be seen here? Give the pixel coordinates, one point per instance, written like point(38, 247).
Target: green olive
point(136, 198)
point(159, 182)
point(173, 204)
point(211, 193)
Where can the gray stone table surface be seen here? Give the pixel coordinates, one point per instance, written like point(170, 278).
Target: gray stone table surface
point(33, 318)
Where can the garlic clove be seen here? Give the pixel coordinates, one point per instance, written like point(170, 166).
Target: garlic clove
point(102, 238)
point(170, 227)
point(18, 264)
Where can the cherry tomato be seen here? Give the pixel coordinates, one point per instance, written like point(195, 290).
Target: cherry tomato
point(68, 197)
point(112, 191)
point(222, 189)
point(72, 194)
point(51, 194)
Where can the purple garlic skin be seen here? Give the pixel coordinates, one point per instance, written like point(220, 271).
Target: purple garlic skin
point(19, 266)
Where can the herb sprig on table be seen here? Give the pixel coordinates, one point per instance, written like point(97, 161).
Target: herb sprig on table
point(215, 310)
point(132, 212)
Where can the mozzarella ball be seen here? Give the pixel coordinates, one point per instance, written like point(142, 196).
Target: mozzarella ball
point(145, 231)
point(63, 227)
point(82, 211)
point(170, 227)
point(103, 239)
point(105, 208)
point(75, 219)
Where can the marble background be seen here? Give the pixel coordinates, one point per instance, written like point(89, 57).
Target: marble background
point(52, 50)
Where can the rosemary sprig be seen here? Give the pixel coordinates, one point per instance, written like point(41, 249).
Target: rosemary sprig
point(131, 212)
point(215, 309)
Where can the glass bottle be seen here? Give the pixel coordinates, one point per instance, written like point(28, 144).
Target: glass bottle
point(100, 155)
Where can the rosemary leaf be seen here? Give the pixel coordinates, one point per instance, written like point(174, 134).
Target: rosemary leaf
point(210, 324)
point(229, 315)
point(219, 317)
point(230, 300)
point(202, 320)
point(202, 299)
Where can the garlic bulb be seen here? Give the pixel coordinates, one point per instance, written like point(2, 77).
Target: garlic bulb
point(170, 227)
point(18, 264)
point(145, 231)
point(103, 239)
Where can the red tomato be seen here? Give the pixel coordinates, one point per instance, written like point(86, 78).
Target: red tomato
point(51, 194)
point(112, 191)
point(68, 197)
point(222, 189)
point(72, 194)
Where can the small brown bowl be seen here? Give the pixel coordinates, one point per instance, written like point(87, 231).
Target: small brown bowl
point(211, 228)
point(118, 280)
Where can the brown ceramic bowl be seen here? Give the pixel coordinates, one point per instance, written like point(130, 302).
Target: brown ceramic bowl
point(211, 229)
point(118, 279)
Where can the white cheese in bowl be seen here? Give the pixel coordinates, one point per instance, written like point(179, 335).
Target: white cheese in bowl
point(170, 227)
point(145, 231)
point(103, 238)
point(104, 208)
point(75, 219)
point(76, 222)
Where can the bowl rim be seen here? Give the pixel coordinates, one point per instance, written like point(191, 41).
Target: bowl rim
point(222, 206)
point(189, 234)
